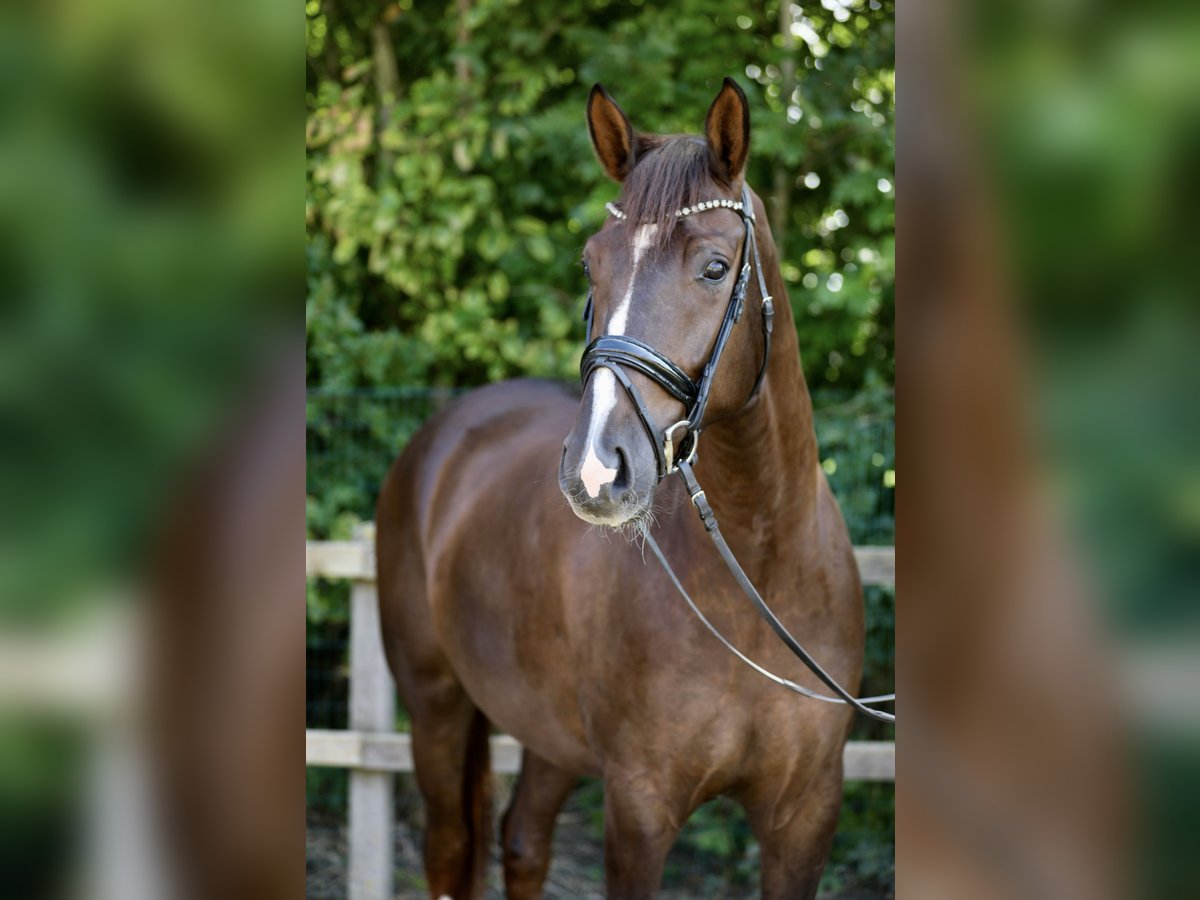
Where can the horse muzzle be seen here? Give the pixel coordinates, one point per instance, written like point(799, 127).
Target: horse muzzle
point(604, 488)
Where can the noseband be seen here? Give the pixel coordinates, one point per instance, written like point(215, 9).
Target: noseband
point(616, 352)
point(676, 452)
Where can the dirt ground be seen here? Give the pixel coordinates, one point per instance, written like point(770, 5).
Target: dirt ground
point(576, 872)
point(576, 869)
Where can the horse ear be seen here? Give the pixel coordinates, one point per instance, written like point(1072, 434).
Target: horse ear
point(612, 135)
point(727, 129)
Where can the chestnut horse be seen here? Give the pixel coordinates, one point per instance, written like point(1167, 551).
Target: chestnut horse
point(504, 604)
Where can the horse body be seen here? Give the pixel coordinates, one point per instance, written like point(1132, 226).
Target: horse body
point(500, 605)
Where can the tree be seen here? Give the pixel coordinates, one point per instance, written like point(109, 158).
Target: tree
point(451, 183)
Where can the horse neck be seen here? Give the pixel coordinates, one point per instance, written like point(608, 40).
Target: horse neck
point(759, 467)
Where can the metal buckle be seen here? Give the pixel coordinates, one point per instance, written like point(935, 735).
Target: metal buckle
point(669, 444)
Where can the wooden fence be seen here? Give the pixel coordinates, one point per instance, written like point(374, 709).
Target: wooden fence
point(372, 751)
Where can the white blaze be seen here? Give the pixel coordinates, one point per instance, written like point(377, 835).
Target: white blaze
point(594, 473)
point(641, 240)
point(604, 384)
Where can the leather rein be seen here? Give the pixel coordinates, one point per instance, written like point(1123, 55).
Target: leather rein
point(676, 451)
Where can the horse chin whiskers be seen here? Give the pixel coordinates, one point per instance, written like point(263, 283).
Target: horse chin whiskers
point(618, 523)
point(644, 519)
point(633, 516)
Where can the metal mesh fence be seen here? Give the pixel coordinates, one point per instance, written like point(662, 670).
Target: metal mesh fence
point(351, 439)
point(857, 438)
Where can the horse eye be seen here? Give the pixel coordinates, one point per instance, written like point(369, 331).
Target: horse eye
point(587, 273)
point(715, 270)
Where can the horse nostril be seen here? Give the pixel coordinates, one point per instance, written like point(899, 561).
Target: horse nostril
point(624, 473)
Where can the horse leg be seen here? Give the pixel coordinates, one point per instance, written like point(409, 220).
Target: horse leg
point(450, 757)
point(528, 827)
point(795, 837)
point(642, 818)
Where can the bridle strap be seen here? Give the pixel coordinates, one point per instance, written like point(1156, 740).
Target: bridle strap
point(700, 501)
point(587, 319)
point(768, 314)
point(643, 413)
point(782, 682)
point(733, 314)
point(608, 349)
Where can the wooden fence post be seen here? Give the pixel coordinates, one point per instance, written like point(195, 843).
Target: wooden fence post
point(372, 708)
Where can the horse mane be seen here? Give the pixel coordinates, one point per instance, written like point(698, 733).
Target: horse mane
point(670, 171)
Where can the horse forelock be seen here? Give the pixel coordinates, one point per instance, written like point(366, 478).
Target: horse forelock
point(670, 172)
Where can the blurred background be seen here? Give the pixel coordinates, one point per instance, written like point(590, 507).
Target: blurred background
point(149, 265)
point(150, 171)
point(1051, 445)
point(451, 185)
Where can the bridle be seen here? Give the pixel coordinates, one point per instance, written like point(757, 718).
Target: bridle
point(676, 451)
point(615, 351)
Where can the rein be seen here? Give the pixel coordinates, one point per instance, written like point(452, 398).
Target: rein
point(677, 453)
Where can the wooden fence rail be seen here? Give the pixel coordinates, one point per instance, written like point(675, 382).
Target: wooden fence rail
point(373, 752)
point(376, 752)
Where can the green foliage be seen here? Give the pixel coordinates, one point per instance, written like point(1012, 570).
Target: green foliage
point(716, 838)
point(716, 854)
point(352, 437)
point(858, 454)
point(860, 860)
point(326, 790)
point(451, 185)
point(42, 768)
point(446, 205)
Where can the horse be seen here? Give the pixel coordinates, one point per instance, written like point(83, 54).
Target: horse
point(513, 592)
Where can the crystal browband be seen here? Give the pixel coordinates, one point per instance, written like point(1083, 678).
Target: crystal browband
point(735, 205)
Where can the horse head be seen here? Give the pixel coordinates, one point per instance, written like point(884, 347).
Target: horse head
point(664, 274)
